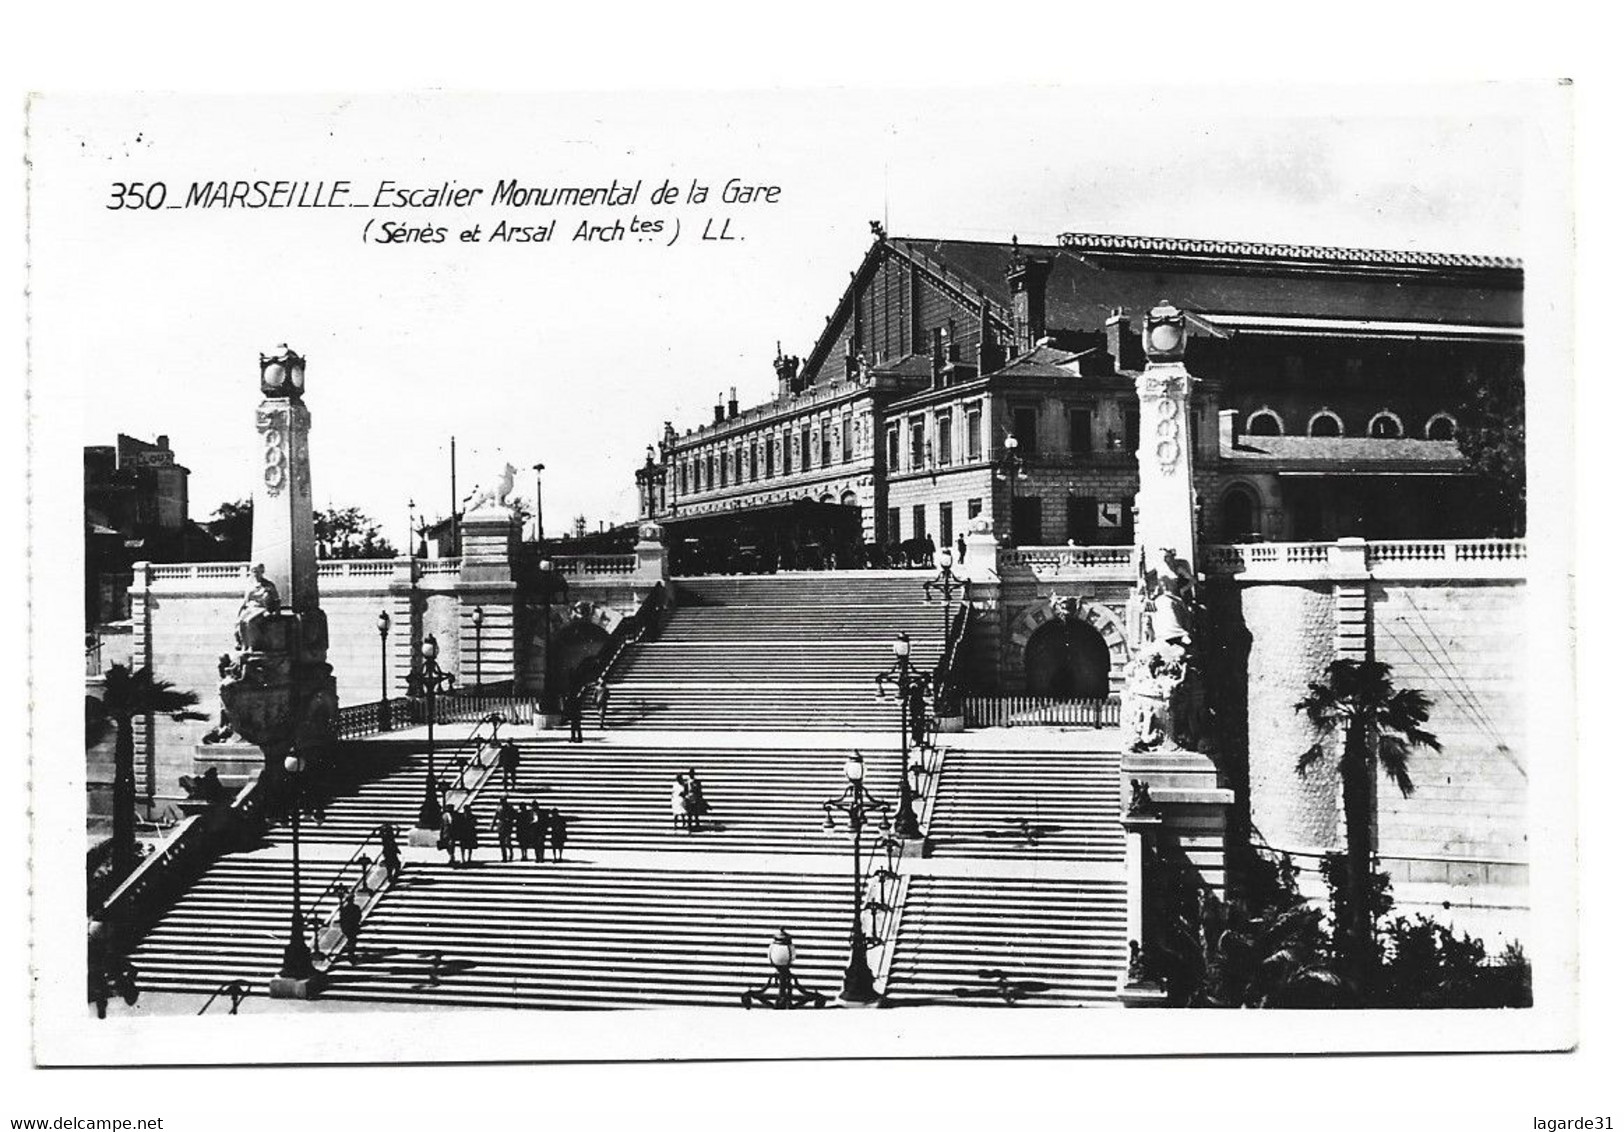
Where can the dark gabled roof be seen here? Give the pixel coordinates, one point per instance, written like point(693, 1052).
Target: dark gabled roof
point(1347, 453)
point(1089, 281)
point(1042, 361)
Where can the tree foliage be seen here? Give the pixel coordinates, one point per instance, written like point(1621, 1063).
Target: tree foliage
point(1492, 435)
point(1377, 726)
point(126, 697)
point(341, 532)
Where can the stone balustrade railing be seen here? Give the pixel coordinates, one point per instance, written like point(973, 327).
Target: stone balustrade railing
point(1403, 558)
point(1066, 559)
point(595, 565)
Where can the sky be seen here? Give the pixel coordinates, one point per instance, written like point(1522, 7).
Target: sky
point(573, 353)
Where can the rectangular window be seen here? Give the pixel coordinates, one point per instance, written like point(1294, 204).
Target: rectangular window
point(1081, 519)
point(974, 508)
point(1028, 520)
point(738, 465)
point(945, 526)
point(893, 525)
point(893, 448)
point(919, 520)
point(771, 442)
point(682, 479)
point(806, 448)
point(916, 443)
point(724, 469)
point(944, 439)
point(827, 445)
point(710, 474)
point(972, 433)
point(755, 462)
point(1024, 426)
point(1082, 432)
point(1130, 416)
point(846, 451)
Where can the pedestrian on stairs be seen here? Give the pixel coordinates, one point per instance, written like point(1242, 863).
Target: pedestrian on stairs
point(679, 803)
point(467, 830)
point(694, 803)
point(502, 824)
point(525, 831)
point(391, 849)
point(507, 757)
point(556, 834)
point(448, 834)
point(572, 712)
point(349, 922)
point(544, 831)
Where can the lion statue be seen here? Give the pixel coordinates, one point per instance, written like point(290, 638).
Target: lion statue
point(493, 494)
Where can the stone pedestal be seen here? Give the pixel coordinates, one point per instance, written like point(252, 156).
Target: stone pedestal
point(283, 987)
point(653, 564)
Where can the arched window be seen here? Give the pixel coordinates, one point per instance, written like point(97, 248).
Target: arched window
point(1265, 422)
point(1385, 425)
point(1325, 423)
point(1442, 426)
point(1238, 515)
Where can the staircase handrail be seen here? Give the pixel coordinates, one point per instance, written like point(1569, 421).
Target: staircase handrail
point(362, 886)
point(236, 988)
point(949, 675)
point(196, 840)
point(643, 624)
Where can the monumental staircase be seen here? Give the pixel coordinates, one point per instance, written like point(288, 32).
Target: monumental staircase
point(783, 652)
point(1020, 899)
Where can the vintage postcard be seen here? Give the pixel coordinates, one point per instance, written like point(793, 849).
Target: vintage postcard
point(850, 573)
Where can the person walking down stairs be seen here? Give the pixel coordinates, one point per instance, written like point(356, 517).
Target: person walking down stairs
point(502, 824)
point(391, 850)
point(349, 922)
point(679, 803)
point(525, 826)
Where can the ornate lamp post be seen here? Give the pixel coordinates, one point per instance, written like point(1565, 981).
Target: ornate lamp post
point(856, 803)
point(478, 619)
point(908, 683)
point(1011, 466)
point(383, 670)
point(433, 679)
point(782, 990)
point(946, 585)
point(296, 961)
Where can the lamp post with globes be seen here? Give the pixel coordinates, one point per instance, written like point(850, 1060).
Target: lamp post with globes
point(782, 990)
point(857, 987)
point(384, 721)
point(478, 618)
point(433, 680)
point(910, 685)
point(296, 961)
point(539, 468)
point(1011, 466)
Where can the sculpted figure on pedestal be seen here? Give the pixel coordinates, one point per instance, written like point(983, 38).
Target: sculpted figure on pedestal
point(259, 601)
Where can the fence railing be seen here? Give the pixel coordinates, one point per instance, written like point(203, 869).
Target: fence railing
point(579, 565)
point(1497, 556)
point(1043, 559)
point(470, 702)
point(1040, 711)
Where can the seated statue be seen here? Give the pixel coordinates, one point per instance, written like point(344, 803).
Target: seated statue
point(260, 600)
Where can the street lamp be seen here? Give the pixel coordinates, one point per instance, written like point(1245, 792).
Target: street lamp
point(432, 679)
point(782, 990)
point(539, 468)
point(296, 961)
point(857, 803)
point(383, 670)
point(1010, 466)
point(479, 622)
point(910, 688)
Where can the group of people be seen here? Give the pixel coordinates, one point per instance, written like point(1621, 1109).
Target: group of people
point(688, 803)
point(529, 828)
point(573, 704)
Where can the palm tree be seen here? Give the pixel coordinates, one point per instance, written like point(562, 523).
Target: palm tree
point(129, 695)
point(1380, 726)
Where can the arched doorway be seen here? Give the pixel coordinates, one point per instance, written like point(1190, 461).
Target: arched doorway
point(1069, 660)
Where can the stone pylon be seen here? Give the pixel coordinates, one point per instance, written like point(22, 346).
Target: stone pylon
point(276, 685)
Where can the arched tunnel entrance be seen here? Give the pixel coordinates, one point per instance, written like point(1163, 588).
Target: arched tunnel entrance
point(1067, 659)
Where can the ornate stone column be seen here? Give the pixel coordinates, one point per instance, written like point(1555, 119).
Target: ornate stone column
point(1167, 764)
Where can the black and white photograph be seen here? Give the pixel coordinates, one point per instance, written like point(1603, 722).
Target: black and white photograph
point(653, 575)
